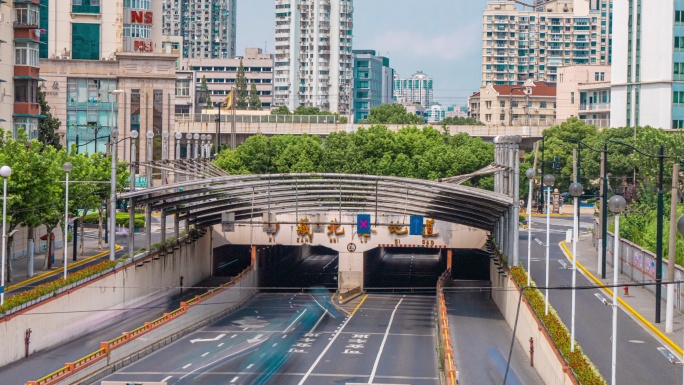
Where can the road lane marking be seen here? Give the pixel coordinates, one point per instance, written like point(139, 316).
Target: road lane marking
point(318, 322)
point(382, 345)
point(332, 340)
point(220, 359)
point(221, 344)
point(249, 366)
point(203, 355)
point(187, 366)
point(233, 336)
point(275, 344)
point(358, 306)
point(234, 379)
point(218, 337)
point(295, 320)
point(166, 378)
point(284, 335)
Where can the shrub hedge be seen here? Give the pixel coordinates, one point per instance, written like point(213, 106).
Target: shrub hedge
point(121, 219)
point(585, 371)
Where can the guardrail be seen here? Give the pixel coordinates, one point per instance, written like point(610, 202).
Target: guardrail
point(450, 371)
point(106, 347)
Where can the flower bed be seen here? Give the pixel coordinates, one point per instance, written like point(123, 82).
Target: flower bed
point(49, 288)
point(585, 371)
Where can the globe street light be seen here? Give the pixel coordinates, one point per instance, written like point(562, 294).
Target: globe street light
point(549, 181)
point(178, 137)
point(66, 167)
point(576, 190)
point(203, 146)
point(196, 137)
point(616, 205)
point(5, 172)
point(530, 174)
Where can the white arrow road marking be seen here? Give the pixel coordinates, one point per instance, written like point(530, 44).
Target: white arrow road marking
point(218, 337)
point(256, 338)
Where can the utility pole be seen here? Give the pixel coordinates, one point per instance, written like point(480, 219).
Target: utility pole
point(669, 311)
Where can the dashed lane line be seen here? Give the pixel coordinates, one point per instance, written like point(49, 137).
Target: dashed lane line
point(187, 366)
point(382, 345)
point(166, 378)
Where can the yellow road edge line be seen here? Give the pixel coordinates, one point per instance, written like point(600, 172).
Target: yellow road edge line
point(625, 305)
point(332, 301)
point(59, 271)
point(359, 305)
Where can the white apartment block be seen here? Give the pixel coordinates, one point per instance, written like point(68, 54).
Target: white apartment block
point(416, 89)
point(520, 44)
point(584, 92)
point(648, 64)
point(207, 27)
point(313, 54)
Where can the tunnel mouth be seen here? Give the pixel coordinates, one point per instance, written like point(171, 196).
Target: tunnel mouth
point(395, 270)
point(284, 269)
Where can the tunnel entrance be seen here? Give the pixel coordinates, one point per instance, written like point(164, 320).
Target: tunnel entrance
point(470, 265)
point(230, 260)
point(294, 268)
point(394, 268)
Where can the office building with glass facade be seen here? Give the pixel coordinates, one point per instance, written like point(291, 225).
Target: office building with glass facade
point(373, 82)
point(93, 48)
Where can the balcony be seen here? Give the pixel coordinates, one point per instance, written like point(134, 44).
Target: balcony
point(600, 123)
point(594, 106)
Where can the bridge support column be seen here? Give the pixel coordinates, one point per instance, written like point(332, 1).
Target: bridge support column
point(350, 275)
point(254, 261)
point(148, 226)
point(163, 225)
point(176, 224)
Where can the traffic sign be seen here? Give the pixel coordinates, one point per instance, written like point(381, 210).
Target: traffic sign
point(140, 181)
point(416, 225)
point(363, 224)
point(351, 247)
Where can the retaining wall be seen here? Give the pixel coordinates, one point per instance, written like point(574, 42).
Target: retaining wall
point(100, 300)
point(547, 360)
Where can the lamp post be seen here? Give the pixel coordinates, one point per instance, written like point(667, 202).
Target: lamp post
point(549, 181)
point(203, 138)
point(112, 188)
point(178, 137)
point(148, 207)
point(5, 172)
point(576, 190)
point(131, 205)
point(188, 152)
point(680, 229)
point(66, 167)
point(616, 205)
point(196, 137)
point(530, 174)
point(659, 222)
point(208, 146)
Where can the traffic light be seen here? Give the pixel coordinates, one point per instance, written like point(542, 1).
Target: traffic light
point(556, 163)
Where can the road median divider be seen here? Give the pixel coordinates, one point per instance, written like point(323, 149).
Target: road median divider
point(107, 348)
point(446, 350)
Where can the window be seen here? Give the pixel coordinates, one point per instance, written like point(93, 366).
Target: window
point(26, 14)
point(85, 6)
point(603, 76)
point(26, 54)
point(502, 103)
point(542, 104)
point(29, 125)
point(137, 30)
point(488, 104)
point(488, 117)
point(596, 76)
point(678, 124)
point(502, 117)
point(183, 87)
point(137, 4)
point(85, 42)
point(572, 98)
point(26, 91)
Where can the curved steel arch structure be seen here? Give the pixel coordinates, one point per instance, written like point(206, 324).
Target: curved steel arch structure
point(201, 202)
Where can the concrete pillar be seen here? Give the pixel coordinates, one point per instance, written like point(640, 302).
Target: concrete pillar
point(176, 223)
point(254, 258)
point(350, 274)
point(516, 203)
point(449, 256)
point(500, 238)
point(148, 226)
point(512, 226)
point(163, 225)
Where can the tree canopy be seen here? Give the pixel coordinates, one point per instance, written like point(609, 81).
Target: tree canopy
point(392, 114)
point(254, 100)
point(460, 121)
point(47, 126)
point(282, 110)
point(241, 101)
point(411, 152)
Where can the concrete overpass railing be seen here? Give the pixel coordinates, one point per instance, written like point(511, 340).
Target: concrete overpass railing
point(450, 370)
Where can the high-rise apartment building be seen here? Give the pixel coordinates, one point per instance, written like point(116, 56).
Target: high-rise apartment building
point(207, 26)
point(373, 82)
point(647, 86)
point(416, 89)
point(19, 71)
point(520, 44)
point(313, 54)
point(103, 69)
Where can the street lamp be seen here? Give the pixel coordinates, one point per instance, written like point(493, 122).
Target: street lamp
point(196, 137)
point(659, 224)
point(5, 172)
point(616, 205)
point(66, 167)
point(549, 181)
point(178, 137)
point(208, 146)
point(576, 190)
point(131, 205)
point(530, 174)
point(203, 138)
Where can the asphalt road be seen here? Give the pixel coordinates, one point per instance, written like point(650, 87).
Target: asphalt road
point(638, 360)
point(482, 340)
point(294, 339)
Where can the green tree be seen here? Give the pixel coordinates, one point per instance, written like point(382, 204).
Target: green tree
point(460, 121)
point(392, 114)
point(48, 126)
point(241, 88)
point(282, 110)
point(204, 88)
point(303, 110)
point(254, 100)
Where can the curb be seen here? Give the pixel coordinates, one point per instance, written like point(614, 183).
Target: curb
point(59, 271)
point(624, 304)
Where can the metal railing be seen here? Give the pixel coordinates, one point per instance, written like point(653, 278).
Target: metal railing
point(228, 118)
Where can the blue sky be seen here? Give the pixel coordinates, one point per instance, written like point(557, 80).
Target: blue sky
point(442, 38)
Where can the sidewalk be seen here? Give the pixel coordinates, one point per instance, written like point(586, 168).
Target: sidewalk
point(639, 303)
point(91, 254)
